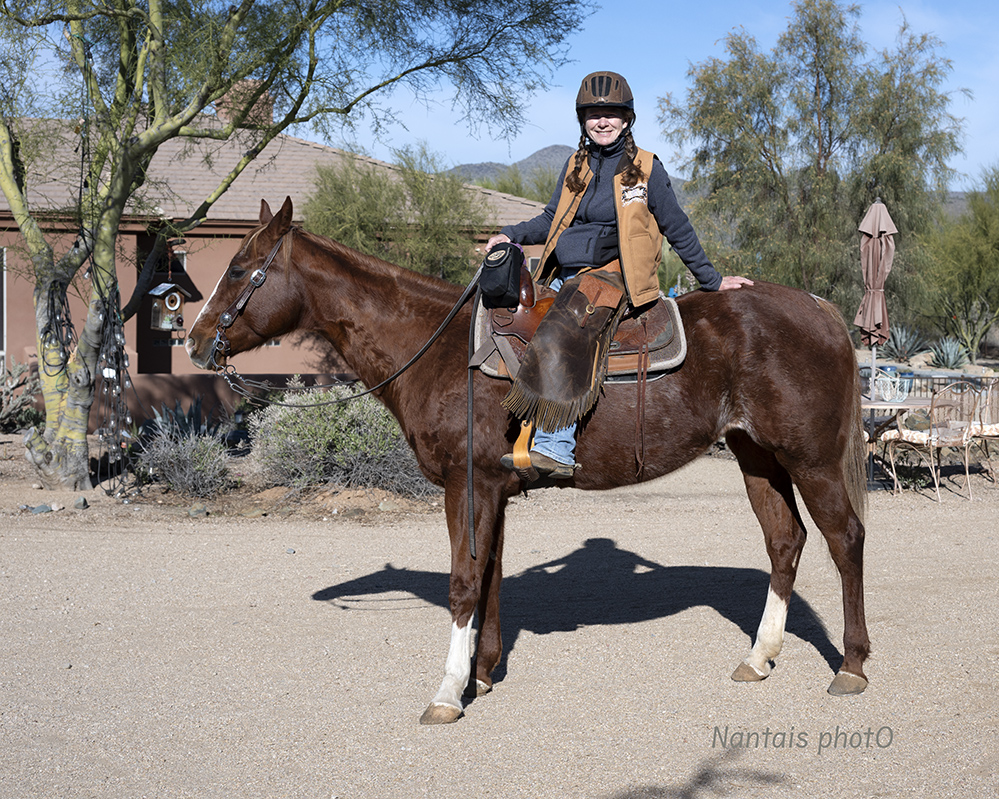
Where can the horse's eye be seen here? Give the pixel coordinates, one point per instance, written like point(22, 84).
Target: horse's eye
point(236, 272)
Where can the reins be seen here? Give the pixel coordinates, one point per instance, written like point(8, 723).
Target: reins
point(235, 309)
point(227, 372)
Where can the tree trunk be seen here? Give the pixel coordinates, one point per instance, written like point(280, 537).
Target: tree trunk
point(60, 454)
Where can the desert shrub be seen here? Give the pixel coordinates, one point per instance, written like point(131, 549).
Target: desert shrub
point(17, 403)
point(356, 444)
point(195, 465)
point(185, 450)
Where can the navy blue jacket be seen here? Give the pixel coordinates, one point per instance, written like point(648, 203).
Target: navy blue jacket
point(591, 239)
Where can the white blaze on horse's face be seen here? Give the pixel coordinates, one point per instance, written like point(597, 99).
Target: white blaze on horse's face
point(189, 346)
point(209, 303)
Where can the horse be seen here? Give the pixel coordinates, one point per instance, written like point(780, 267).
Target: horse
point(770, 369)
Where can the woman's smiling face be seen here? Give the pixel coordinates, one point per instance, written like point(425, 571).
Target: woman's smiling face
point(604, 125)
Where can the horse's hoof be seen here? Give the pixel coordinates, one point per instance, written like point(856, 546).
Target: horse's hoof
point(440, 714)
point(846, 684)
point(477, 688)
point(746, 673)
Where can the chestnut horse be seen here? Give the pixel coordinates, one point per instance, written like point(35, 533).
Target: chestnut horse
point(769, 368)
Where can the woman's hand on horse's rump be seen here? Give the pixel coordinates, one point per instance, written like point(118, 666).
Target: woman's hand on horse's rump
point(734, 282)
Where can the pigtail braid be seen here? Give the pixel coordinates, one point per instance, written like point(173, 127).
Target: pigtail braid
point(632, 174)
point(573, 182)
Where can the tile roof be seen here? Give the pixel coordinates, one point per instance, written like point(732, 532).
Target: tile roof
point(184, 172)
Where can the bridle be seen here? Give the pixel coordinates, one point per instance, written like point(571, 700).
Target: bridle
point(228, 316)
point(222, 346)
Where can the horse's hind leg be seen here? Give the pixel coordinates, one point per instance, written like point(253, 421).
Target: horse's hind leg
point(827, 499)
point(770, 493)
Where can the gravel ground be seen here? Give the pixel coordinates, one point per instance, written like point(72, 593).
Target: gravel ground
point(149, 653)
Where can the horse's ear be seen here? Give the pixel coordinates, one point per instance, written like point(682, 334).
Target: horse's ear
point(284, 216)
point(265, 213)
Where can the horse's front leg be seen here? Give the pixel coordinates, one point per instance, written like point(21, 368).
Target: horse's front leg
point(474, 583)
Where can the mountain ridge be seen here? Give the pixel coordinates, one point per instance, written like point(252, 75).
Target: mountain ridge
point(550, 158)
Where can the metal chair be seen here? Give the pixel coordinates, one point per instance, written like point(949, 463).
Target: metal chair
point(985, 428)
point(949, 424)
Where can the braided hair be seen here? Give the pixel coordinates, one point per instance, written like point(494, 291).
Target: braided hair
point(631, 176)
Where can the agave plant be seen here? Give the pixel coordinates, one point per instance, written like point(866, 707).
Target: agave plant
point(949, 353)
point(177, 423)
point(903, 343)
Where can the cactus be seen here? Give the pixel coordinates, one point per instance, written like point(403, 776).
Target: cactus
point(903, 343)
point(949, 353)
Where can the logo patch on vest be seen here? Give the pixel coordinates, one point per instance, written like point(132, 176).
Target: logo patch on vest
point(635, 194)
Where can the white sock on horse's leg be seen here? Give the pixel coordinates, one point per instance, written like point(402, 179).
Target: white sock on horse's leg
point(770, 635)
point(457, 670)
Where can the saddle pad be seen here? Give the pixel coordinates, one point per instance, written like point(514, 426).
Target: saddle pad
point(503, 334)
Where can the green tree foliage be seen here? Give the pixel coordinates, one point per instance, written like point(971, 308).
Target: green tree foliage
point(538, 186)
point(416, 215)
point(138, 73)
point(789, 148)
point(442, 216)
point(964, 268)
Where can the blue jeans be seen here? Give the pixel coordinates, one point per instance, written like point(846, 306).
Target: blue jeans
point(559, 445)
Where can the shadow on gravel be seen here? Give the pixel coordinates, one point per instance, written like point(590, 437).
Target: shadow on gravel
point(597, 584)
point(716, 776)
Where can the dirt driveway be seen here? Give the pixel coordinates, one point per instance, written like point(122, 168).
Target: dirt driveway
point(149, 653)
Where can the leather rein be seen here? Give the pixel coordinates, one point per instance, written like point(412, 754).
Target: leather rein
point(228, 317)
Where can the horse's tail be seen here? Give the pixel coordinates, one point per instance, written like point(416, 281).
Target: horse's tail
point(855, 455)
point(855, 452)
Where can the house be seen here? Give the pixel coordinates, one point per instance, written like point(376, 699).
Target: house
point(182, 174)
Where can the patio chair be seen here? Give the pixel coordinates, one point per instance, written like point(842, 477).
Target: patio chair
point(985, 428)
point(948, 424)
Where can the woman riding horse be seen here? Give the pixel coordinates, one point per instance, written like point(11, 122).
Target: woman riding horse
point(608, 216)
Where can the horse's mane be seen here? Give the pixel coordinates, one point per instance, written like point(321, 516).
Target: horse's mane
point(425, 285)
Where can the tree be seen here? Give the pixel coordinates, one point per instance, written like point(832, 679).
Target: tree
point(790, 147)
point(965, 268)
point(147, 71)
point(538, 186)
point(417, 215)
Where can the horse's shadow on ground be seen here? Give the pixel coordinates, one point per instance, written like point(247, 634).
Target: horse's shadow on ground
point(598, 584)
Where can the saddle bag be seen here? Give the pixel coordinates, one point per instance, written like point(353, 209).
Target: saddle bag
point(499, 283)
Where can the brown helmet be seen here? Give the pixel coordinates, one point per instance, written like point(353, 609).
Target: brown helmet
point(605, 89)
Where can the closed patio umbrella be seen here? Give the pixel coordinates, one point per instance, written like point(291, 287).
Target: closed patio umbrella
point(877, 251)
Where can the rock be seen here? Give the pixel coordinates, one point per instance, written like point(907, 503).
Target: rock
point(81, 503)
point(41, 509)
point(197, 510)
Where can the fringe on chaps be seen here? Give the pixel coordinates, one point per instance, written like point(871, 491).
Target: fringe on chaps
point(565, 364)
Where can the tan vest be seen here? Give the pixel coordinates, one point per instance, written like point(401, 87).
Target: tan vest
point(639, 239)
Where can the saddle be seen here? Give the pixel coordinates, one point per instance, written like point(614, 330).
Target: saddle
point(646, 345)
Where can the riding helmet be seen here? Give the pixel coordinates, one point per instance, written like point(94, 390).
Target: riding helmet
point(605, 89)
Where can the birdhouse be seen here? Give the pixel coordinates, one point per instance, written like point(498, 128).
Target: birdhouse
point(168, 307)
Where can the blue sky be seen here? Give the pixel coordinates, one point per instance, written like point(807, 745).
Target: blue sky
point(653, 45)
